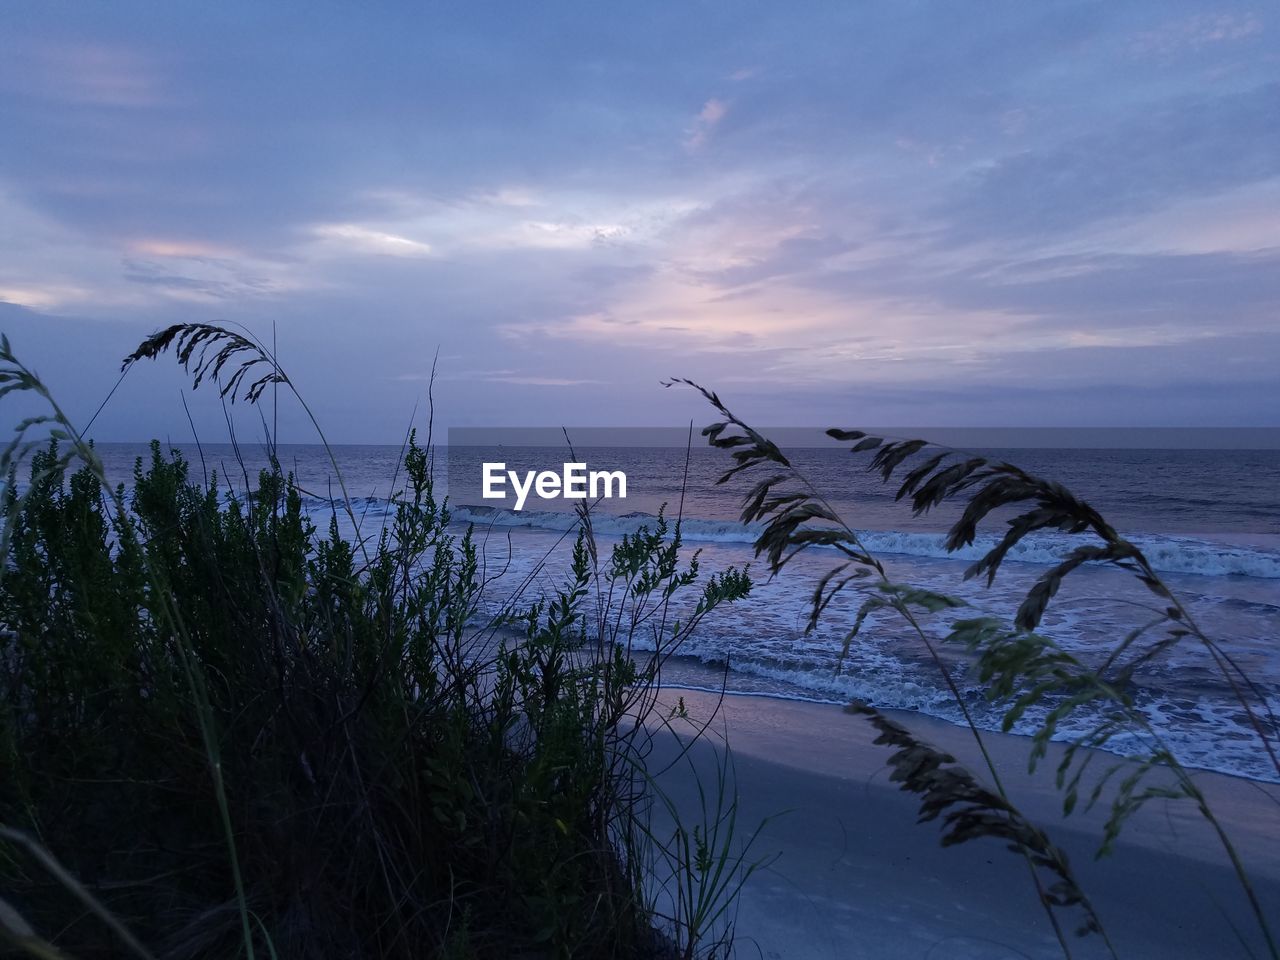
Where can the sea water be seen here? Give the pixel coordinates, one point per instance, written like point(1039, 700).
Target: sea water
point(1208, 520)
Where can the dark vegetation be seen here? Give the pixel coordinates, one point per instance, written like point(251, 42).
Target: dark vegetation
point(225, 733)
point(1018, 668)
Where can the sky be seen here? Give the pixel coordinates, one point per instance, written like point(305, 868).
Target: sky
point(986, 214)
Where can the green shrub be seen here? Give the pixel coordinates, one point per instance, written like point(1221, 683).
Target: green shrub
point(238, 735)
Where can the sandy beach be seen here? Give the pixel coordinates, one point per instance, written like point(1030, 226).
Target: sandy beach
point(856, 876)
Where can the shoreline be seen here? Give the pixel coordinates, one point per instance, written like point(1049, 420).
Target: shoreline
point(899, 713)
point(858, 877)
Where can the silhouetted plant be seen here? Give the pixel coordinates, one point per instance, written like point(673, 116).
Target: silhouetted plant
point(1018, 667)
point(239, 734)
point(969, 810)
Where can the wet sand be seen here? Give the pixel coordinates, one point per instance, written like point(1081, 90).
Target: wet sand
point(856, 876)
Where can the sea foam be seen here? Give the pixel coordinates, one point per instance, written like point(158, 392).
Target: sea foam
point(1168, 554)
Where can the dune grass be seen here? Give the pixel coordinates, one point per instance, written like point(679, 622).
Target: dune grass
point(1016, 667)
point(224, 732)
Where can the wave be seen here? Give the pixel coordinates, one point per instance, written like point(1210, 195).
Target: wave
point(1202, 734)
point(1168, 554)
point(765, 656)
point(1204, 731)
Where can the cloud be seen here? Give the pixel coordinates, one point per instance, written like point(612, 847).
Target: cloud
point(201, 279)
point(181, 249)
point(1194, 146)
point(360, 239)
point(560, 235)
point(510, 197)
point(1196, 32)
point(502, 376)
point(43, 297)
point(709, 117)
point(83, 74)
point(533, 381)
point(889, 202)
point(790, 255)
point(1235, 221)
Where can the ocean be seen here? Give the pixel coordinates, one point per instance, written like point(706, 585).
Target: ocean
point(1209, 520)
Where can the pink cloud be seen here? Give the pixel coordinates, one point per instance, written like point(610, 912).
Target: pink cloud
point(709, 117)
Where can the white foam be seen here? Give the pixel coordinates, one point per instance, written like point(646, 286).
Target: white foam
point(1201, 733)
point(764, 642)
point(1168, 554)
